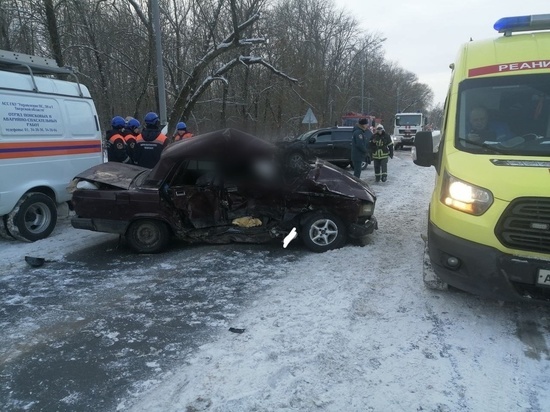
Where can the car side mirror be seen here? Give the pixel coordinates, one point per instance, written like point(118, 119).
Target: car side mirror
point(423, 153)
point(311, 140)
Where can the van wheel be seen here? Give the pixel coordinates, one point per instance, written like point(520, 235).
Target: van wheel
point(33, 218)
point(148, 236)
point(4, 232)
point(323, 231)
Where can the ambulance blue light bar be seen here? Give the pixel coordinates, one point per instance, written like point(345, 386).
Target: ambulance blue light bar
point(507, 25)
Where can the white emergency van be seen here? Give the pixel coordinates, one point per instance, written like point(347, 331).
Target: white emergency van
point(49, 132)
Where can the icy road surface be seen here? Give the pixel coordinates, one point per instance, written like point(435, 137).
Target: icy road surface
point(102, 329)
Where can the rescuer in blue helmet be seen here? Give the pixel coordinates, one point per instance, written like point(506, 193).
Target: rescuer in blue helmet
point(150, 143)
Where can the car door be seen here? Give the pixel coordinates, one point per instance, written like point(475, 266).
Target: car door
point(341, 145)
point(322, 146)
point(196, 194)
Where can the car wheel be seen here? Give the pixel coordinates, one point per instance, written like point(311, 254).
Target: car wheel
point(323, 231)
point(148, 236)
point(33, 218)
point(342, 165)
point(295, 160)
point(364, 165)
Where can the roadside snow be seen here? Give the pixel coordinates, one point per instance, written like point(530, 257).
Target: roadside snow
point(355, 330)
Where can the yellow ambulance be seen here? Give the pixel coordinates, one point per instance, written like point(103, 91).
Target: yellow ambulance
point(489, 215)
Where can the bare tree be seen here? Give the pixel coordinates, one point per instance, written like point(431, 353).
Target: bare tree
point(51, 25)
point(255, 64)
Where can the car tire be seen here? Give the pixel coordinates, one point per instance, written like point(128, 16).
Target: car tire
point(148, 236)
point(33, 218)
point(323, 231)
point(295, 160)
point(364, 165)
point(4, 232)
point(342, 165)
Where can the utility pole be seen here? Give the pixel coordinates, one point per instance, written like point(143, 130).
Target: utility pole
point(362, 88)
point(368, 103)
point(397, 101)
point(160, 67)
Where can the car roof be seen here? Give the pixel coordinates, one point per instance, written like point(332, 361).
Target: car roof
point(334, 128)
point(229, 145)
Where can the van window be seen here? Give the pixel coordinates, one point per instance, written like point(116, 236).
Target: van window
point(81, 118)
point(509, 115)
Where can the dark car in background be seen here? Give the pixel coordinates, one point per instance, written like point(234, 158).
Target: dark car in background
point(220, 187)
point(332, 144)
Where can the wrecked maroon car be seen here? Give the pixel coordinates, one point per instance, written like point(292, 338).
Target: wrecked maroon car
point(220, 187)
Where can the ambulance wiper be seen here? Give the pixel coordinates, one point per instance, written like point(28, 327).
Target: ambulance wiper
point(491, 147)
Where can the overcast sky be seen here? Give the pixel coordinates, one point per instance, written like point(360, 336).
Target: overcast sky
point(423, 36)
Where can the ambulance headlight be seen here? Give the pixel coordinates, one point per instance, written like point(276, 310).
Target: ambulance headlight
point(465, 197)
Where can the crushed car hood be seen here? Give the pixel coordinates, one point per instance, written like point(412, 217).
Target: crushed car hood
point(115, 174)
point(338, 181)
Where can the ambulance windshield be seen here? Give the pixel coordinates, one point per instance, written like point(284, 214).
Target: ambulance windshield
point(509, 115)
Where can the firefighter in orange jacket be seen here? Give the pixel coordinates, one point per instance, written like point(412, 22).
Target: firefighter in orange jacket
point(116, 144)
point(150, 143)
point(181, 132)
point(131, 133)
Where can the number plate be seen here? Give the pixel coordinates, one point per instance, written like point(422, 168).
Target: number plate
point(544, 277)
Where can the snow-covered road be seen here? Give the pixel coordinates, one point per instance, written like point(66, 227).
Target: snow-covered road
point(355, 330)
point(349, 330)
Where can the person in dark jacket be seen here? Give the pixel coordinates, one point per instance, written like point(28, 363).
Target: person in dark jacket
point(115, 142)
point(150, 143)
point(359, 148)
point(381, 146)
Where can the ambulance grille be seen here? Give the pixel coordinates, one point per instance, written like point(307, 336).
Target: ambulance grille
point(525, 225)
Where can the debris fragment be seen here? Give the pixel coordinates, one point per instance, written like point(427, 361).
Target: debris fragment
point(35, 262)
point(290, 237)
point(247, 221)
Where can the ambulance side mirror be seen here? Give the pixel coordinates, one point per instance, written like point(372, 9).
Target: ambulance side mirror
point(423, 153)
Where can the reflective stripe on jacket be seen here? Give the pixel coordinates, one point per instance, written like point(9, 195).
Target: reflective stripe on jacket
point(116, 147)
point(147, 152)
point(381, 146)
point(186, 135)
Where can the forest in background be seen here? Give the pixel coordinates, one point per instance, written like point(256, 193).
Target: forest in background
point(257, 65)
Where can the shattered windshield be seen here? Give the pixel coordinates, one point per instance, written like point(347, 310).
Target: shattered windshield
point(507, 115)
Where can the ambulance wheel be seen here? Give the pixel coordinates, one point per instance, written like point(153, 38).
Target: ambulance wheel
point(33, 218)
point(148, 236)
point(323, 231)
